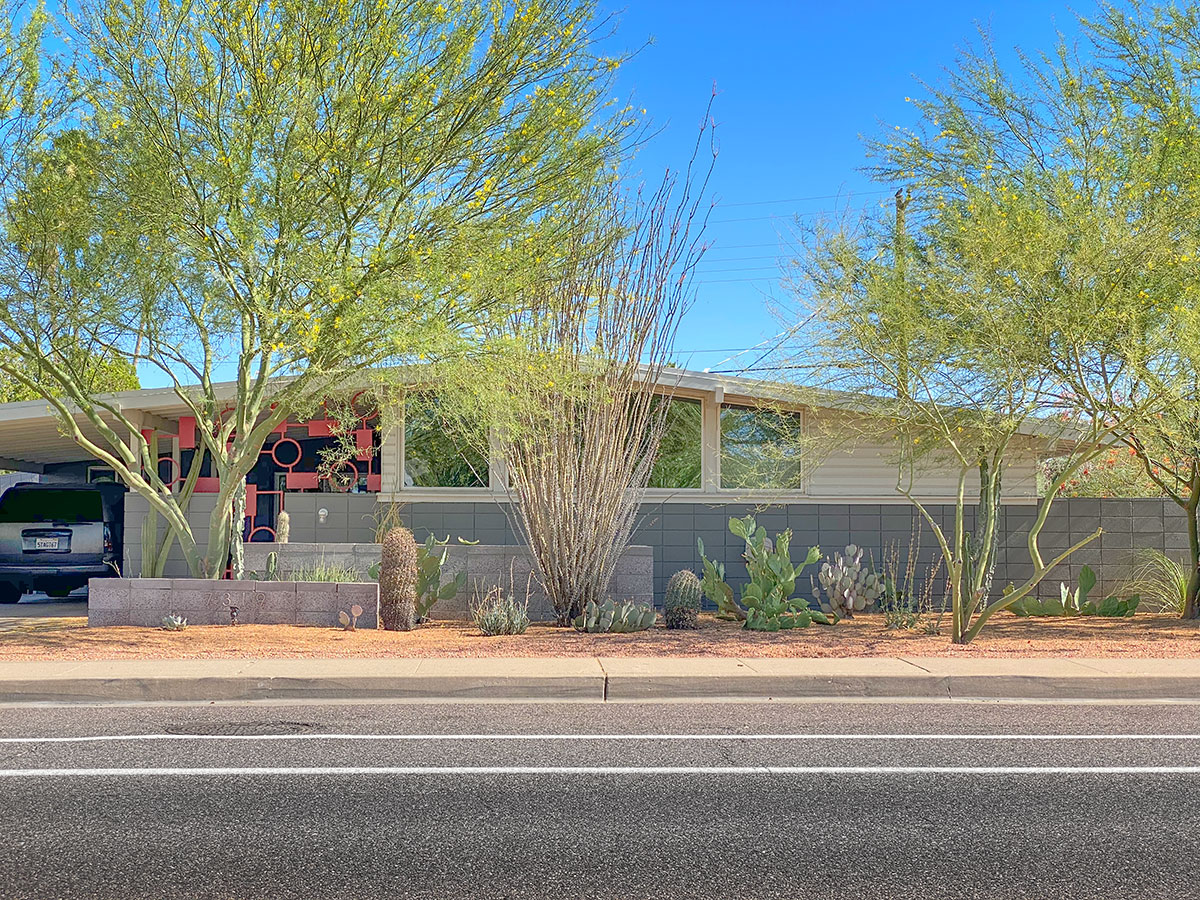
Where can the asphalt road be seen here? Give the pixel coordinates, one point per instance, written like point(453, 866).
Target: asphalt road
point(590, 801)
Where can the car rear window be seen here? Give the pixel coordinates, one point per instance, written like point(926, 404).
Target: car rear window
point(51, 506)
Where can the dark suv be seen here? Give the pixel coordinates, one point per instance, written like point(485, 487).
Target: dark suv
point(54, 537)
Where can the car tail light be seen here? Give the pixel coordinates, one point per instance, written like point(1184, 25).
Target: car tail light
point(108, 538)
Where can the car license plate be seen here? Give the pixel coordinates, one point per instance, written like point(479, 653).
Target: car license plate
point(45, 543)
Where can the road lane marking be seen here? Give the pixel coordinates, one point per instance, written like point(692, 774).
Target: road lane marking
point(118, 738)
point(375, 771)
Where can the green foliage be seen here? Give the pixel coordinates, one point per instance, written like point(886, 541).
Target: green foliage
point(285, 188)
point(499, 613)
point(849, 585)
point(398, 581)
point(770, 599)
point(681, 604)
point(1076, 603)
point(173, 623)
point(1113, 607)
point(715, 588)
point(611, 618)
point(1159, 579)
point(322, 572)
point(272, 573)
point(431, 556)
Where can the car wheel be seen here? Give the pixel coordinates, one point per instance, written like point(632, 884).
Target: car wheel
point(9, 592)
point(59, 593)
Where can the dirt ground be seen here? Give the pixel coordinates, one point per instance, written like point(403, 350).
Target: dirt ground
point(1006, 636)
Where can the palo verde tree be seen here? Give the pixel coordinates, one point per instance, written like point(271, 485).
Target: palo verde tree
point(276, 194)
point(931, 356)
point(1074, 180)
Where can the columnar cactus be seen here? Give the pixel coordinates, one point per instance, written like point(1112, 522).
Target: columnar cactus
point(398, 581)
point(283, 527)
point(849, 585)
point(682, 602)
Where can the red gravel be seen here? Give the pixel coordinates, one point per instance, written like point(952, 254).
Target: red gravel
point(1006, 636)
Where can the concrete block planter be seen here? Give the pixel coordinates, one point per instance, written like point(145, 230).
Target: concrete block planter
point(144, 601)
point(486, 565)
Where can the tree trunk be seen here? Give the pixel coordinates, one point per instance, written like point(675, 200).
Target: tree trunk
point(1191, 606)
point(237, 527)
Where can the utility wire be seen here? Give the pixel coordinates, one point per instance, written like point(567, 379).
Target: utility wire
point(803, 199)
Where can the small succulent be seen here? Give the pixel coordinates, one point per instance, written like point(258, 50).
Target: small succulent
point(499, 613)
point(350, 620)
point(849, 585)
point(609, 618)
point(173, 623)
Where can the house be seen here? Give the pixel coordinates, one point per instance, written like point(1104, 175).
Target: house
point(733, 445)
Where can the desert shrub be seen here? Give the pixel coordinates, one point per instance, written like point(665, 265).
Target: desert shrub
point(908, 602)
point(323, 571)
point(681, 605)
point(1159, 580)
point(498, 612)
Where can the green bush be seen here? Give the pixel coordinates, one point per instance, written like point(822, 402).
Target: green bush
point(324, 571)
point(1160, 580)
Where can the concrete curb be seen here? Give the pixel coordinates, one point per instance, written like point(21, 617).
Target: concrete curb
point(597, 680)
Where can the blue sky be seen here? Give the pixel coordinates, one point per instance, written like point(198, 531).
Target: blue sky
point(799, 83)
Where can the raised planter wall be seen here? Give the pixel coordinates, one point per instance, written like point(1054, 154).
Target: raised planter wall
point(144, 601)
point(486, 566)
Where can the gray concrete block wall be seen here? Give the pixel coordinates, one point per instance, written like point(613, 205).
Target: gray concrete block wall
point(145, 601)
point(486, 566)
point(671, 530)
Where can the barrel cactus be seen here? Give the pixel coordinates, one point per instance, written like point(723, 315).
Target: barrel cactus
point(398, 581)
point(849, 585)
point(681, 606)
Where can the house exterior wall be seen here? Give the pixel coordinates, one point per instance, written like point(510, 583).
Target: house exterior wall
point(671, 528)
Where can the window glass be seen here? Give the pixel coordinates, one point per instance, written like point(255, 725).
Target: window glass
point(49, 505)
point(760, 449)
point(679, 451)
point(437, 450)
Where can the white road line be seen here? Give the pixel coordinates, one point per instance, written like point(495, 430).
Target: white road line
point(122, 738)
point(226, 772)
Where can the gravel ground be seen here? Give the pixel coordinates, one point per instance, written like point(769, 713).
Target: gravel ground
point(1006, 636)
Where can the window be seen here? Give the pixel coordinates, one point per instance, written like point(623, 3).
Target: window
point(439, 451)
point(51, 505)
point(679, 452)
point(760, 449)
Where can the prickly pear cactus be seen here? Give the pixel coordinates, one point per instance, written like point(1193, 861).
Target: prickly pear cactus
point(849, 586)
point(398, 581)
point(681, 606)
point(613, 619)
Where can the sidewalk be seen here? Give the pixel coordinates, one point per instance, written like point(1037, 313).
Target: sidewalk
point(598, 679)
